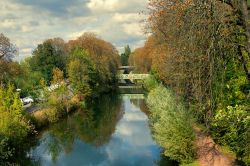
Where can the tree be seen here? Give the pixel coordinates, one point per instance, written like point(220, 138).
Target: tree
point(125, 55)
point(104, 56)
point(204, 58)
point(61, 94)
point(14, 126)
point(8, 69)
point(141, 58)
point(241, 9)
point(81, 72)
point(7, 49)
point(57, 76)
point(48, 56)
point(27, 80)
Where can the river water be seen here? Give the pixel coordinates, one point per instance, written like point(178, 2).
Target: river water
point(112, 131)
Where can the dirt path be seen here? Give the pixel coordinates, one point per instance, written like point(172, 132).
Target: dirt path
point(209, 153)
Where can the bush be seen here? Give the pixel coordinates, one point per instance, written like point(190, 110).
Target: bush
point(43, 116)
point(5, 151)
point(14, 126)
point(150, 83)
point(52, 114)
point(172, 125)
point(231, 126)
point(39, 118)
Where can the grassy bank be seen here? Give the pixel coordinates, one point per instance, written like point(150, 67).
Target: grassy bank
point(177, 131)
point(171, 123)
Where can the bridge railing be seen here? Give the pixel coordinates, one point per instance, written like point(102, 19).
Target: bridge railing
point(133, 76)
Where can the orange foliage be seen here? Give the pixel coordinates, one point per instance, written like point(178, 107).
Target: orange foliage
point(105, 56)
point(141, 58)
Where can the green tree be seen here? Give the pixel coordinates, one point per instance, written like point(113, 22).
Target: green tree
point(82, 73)
point(103, 55)
point(27, 80)
point(125, 55)
point(48, 56)
point(231, 127)
point(9, 71)
point(14, 126)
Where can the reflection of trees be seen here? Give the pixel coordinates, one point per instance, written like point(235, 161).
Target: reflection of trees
point(140, 103)
point(94, 126)
point(61, 138)
point(26, 161)
point(97, 124)
point(23, 158)
point(165, 161)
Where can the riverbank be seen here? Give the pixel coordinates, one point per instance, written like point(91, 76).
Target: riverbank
point(209, 153)
point(176, 130)
point(172, 125)
point(108, 132)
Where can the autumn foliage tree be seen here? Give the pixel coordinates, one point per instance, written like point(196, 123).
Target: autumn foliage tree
point(201, 52)
point(141, 58)
point(103, 54)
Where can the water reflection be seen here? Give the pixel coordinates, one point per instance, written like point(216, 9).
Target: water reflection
point(112, 131)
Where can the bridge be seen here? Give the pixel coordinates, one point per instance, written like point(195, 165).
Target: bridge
point(131, 76)
point(126, 74)
point(133, 96)
point(129, 80)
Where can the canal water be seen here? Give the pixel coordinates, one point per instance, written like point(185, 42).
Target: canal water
point(112, 131)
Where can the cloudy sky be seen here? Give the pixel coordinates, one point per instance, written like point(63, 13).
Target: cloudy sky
point(29, 22)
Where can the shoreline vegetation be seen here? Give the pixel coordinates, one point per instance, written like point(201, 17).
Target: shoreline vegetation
point(80, 70)
point(199, 50)
point(198, 55)
point(175, 129)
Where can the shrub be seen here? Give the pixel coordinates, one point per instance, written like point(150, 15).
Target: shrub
point(5, 151)
point(172, 125)
point(14, 126)
point(39, 118)
point(231, 126)
point(52, 114)
point(150, 83)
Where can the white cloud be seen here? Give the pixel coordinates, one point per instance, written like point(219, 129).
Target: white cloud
point(128, 6)
point(8, 23)
point(133, 29)
point(103, 5)
point(116, 21)
point(79, 33)
point(26, 28)
point(128, 17)
point(26, 50)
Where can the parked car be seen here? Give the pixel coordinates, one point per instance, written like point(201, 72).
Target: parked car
point(27, 100)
